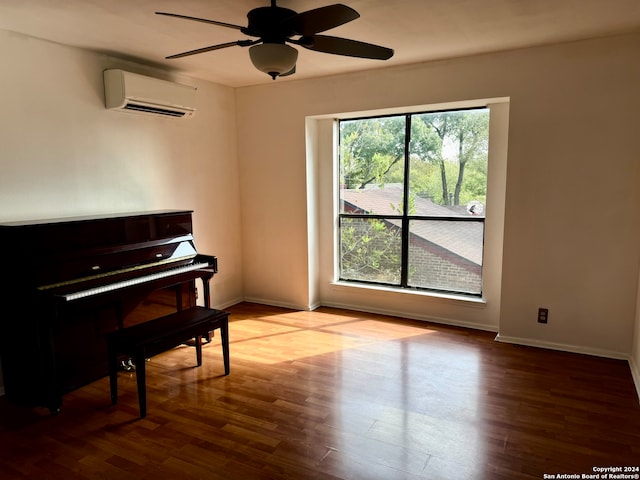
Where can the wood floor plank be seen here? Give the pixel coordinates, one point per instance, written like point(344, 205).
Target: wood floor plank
point(335, 394)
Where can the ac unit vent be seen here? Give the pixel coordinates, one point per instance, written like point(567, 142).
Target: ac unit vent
point(156, 110)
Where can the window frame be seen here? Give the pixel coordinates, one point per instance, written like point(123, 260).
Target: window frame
point(405, 218)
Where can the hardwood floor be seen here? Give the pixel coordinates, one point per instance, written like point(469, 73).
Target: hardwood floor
point(335, 394)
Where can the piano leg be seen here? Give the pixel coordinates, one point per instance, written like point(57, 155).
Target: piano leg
point(52, 391)
point(206, 277)
point(207, 301)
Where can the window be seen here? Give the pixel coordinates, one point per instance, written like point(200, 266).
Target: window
point(412, 191)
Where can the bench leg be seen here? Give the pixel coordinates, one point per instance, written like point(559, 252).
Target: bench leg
point(112, 356)
point(224, 338)
point(199, 349)
point(140, 359)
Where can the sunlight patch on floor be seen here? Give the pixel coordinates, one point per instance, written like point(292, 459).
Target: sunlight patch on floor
point(262, 340)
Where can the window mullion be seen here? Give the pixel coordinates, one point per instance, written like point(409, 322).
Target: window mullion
point(404, 265)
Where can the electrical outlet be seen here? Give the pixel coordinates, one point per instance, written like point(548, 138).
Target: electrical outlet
point(543, 315)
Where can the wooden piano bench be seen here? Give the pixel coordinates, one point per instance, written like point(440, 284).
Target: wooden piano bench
point(159, 335)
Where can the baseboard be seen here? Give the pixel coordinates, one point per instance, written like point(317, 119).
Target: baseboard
point(379, 311)
point(228, 304)
point(413, 316)
point(635, 373)
point(275, 303)
point(563, 347)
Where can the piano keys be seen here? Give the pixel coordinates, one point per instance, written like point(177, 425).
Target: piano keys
point(68, 282)
point(110, 287)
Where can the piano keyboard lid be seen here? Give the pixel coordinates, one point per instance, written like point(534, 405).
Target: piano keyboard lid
point(184, 251)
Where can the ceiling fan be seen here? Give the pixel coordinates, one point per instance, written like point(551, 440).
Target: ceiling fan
point(276, 26)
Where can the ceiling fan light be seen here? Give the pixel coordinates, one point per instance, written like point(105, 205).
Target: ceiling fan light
point(273, 58)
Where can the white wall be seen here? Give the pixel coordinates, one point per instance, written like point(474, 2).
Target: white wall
point(572, 236)
point(63, 154)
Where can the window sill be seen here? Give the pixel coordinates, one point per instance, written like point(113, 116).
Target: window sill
point(445, 297)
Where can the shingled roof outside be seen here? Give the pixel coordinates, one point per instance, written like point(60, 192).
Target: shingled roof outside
point(464, 239)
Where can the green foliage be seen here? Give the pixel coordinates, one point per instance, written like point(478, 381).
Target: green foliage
point(369, 250)
point(369, 148)
point(447, 156)
point(462, 147)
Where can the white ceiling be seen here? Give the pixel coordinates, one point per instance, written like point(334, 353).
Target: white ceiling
point(418, 30)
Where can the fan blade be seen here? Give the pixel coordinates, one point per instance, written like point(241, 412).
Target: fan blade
point(320, 19)
point(241, 43)
point(344, 46)
point(204, 20)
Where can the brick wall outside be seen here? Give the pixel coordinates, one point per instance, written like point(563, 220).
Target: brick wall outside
point(430, 270)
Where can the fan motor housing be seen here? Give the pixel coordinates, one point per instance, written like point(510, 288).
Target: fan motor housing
point(269, 23)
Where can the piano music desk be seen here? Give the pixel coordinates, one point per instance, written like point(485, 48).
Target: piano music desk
point(156, 336)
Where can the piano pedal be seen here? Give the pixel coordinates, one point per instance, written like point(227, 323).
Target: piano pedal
point(128, 365)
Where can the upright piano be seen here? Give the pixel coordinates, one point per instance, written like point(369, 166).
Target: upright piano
point(68, 282)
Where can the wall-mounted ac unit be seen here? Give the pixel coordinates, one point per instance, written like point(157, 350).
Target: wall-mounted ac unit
point(130, 92)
